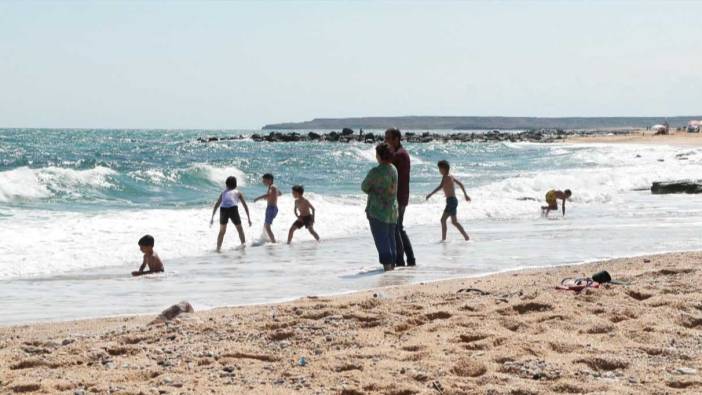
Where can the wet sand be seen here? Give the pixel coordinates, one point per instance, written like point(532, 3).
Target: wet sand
point(517, 335)
point(643, 137)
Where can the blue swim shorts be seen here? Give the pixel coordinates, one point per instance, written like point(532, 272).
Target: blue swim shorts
point(271, 212)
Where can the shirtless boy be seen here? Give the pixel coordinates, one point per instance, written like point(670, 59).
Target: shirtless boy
point(151, 259)
point(271, 197)
point(552, 197)
point(448, 185)
point(304, 211)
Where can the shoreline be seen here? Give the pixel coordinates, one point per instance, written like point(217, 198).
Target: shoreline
point(644, 137)
point(292, 299)
point(524, 336)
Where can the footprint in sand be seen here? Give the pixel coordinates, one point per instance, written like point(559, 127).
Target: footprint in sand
point(438, 315)
point(347, 367)
point(690, 321)
point(25, 387)
point(512, 325)
point(638, 295)
point(473, 337)
point(414, 348)
point(32, 363)
point(603, 363)
point(532, 307)
point(281, 335)
point(468, 368)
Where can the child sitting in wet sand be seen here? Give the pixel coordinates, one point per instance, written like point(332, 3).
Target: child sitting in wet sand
point(151, 259)
point(448, 185)
point(552, 197)
point(304, 211)
point(228, 204)
point(271, 197)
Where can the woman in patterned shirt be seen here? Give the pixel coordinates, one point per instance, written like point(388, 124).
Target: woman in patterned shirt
point(381, 187)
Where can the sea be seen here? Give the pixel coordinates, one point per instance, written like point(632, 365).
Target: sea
point(74, 203)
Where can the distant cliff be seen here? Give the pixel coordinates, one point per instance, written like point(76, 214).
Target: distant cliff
point(463, 123)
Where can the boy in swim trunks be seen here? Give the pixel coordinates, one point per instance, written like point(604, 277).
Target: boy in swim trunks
point(304, 211)
point(151, 259)
point(448, 185)
point(552, 197)
point(228, 203)
point(271, 197)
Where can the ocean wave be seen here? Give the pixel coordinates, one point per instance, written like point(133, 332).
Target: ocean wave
point(196, 173)
point(24, 183)
point(217, 174)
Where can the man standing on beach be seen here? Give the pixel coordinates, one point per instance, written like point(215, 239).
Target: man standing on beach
point(401, 160)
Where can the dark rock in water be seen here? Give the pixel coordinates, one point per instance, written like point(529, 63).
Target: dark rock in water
point(172, 312)
point(491, 136)
point(683, 186)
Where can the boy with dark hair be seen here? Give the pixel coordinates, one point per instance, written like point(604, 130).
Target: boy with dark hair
point(228, 204)
point(552, 197)
point(448, 185)
point(151, 259)
point(271, 197)
point(304, 211)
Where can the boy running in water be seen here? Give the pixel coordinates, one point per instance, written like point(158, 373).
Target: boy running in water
point(271, 197)
point(304, 211)
point(448, 185)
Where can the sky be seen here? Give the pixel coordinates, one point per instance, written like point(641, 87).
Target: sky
point(229, 65)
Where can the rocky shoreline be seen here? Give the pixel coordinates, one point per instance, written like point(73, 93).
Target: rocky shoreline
point(348, 135)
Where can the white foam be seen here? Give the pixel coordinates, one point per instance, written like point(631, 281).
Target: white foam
point(40, 242)
point(217, 174)
point(24, 183)
point(155, 176)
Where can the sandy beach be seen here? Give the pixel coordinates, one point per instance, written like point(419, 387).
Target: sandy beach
point(643, 137)
point(509, 333)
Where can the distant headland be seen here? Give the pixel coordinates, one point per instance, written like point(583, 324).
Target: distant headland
point(487, 123)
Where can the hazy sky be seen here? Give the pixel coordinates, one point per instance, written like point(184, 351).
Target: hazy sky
point(241, 65)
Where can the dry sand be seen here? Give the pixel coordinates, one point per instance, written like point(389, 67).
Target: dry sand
point(524, 337)
point(642, 137)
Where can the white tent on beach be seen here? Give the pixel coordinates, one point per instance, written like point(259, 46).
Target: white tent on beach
point(660, 128)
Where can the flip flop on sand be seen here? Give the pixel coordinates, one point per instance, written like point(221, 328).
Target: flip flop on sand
point(577, 284)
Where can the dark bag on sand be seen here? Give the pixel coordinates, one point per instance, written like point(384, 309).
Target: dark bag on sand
point(602, 277)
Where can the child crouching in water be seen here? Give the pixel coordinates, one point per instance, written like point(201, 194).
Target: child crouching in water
point(228, 203)
point(552, 197)
point(448, 185)
point(151, 259)
point(304, 211)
